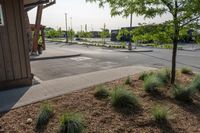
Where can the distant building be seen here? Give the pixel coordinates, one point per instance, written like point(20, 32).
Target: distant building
point(95, 34)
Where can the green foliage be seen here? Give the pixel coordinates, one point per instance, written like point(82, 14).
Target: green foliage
point(71, 34)
point(101, 92)
point(183, 94)
point(121, 33)
point(124, 100)
point(128, 81)
point(51, 33)
point(123, 45)
point(159, 113)
point(71, 123)
point(195, 85)
point(151, 83)
point(45, 114)
point(196, 35)
point(186, 70)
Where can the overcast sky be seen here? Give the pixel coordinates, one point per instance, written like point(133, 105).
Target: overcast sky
point(83, 13)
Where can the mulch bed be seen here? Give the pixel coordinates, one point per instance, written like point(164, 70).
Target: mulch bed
point(101, 117)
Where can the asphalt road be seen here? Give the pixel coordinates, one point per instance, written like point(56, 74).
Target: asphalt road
point(95, 59)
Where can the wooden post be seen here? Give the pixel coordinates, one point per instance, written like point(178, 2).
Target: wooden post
point(37, 28)
point(43, 38)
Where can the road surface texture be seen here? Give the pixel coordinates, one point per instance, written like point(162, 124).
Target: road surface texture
point(96, 59)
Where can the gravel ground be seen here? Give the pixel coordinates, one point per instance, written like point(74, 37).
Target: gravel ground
point(101, 117)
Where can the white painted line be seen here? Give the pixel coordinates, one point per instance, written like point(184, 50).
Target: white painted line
point(80, 58)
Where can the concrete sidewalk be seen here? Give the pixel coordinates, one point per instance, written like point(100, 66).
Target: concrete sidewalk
point(18, 97)
point(54, 54)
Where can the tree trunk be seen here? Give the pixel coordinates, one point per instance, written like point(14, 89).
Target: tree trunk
point(173, 73)
point(175, 43)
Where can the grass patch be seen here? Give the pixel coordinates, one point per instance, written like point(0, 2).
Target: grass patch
point(159, 113)
point(101, 92)
point(186, 70)
point(124, 100)
point(46, 112)
point(195, 85)
point(71, 123)
point(128, 81)
point(151, 83)
point(183, 94)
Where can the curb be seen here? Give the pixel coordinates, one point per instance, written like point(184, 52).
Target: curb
point(54, 57)
point(136, 51)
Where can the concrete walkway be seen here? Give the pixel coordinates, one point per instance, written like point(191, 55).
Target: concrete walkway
point(18, 97)
point(54, 54)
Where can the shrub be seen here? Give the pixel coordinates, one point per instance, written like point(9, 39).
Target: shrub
point(101, 92)
point(45, 114)
point(124, 100)
point(71, 123)
point(159, 113)
point(151, 83)
point(181, 93)
point(128, 80)
point(164, 75)
point(186, 70)
point(195, 85)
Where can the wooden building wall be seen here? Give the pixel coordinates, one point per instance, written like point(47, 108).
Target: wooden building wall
point(14, 52)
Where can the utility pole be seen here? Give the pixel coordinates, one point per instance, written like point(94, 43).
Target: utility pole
point(66, 28)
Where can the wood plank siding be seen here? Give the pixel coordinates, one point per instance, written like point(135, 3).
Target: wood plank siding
point(14, 51)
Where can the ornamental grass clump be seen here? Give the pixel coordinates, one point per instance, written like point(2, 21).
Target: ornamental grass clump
point(186, 70)
point(128, 81)
point(124, 100)
point(46, 112)
point(164, 75)
point(159, 113)
point(182, 93)
point(143, 75)
point(151, 83)
point(195, 85)
point(102, 92)
point(71, 123)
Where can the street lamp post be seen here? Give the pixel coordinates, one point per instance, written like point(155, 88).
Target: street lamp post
point(131, 25)
point(71, 30)
point(66, 36)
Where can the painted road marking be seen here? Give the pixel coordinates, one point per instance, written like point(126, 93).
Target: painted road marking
point(80, 58)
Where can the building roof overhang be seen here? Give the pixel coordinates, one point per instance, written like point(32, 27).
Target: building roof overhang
point(34, 2)
point(30, 4)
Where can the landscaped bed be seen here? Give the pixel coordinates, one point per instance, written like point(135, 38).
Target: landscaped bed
point(101, 116)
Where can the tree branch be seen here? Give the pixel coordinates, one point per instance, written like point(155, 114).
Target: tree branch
point(189, 21)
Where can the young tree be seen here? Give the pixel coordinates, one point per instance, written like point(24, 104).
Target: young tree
point(183, 12)
point(104, 33)
point(71, 34)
